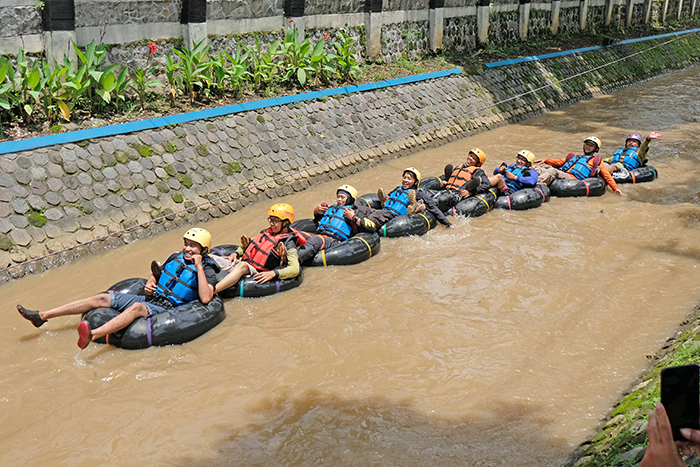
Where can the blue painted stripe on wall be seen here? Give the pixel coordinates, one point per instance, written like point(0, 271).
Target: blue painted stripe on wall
point(152, 123)
point(586, 49)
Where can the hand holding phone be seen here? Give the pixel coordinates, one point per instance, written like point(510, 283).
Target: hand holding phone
point(680, 396)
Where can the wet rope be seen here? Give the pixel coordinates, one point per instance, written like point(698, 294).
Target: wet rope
point(258, 186)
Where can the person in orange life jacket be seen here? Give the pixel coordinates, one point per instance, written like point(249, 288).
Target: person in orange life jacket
point(633, 155)
point(580, 167)
point(186, 276)
point(404, 199)
point(462, 181)
point(337, 223)
point(272, 254)
point(510, 178)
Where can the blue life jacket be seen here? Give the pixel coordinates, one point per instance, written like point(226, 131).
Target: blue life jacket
point(578, 166)
point(398, 201)
point(334, 223)
point(627, 157)
point(515, 185)
point(178, 282)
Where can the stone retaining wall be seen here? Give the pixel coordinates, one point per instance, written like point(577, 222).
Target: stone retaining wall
point(105, 192)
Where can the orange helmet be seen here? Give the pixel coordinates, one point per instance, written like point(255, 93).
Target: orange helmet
point(481, 155)
point(282, 210)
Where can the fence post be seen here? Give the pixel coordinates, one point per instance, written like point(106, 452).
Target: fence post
point(294, 14)
point(524, 18)
point(583, 8)
point(664, 10)
point(373, 28)
point(482, 22)
point(692, 8)
point(194, 21)
point(647, 7)
point(436, 17)
point(58, 18)
point(608, 12)
point(556, 8)
point(630, 8)
point(680, 9)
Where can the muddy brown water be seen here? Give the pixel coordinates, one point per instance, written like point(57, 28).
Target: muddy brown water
point(500, 342)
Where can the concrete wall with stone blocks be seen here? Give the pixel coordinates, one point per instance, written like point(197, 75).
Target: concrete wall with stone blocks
point(105, 192)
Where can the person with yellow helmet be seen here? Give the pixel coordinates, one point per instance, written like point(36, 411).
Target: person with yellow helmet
point(577, 166)
point(632, 155)
point(185, 276)
point(272, 254)
point(336, 223)
point(510, 178)
point(463, 181)
point(404, 199)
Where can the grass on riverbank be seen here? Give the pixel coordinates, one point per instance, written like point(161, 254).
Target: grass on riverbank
point(622, 440)
point(471, 62)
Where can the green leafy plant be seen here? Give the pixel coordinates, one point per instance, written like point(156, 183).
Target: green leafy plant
point(172, 73)
point(237, 73)
point(140, 83)
point(265, 66)
point(195, 68)
point(346, 57)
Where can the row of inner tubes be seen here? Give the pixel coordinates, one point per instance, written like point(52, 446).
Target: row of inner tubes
point(187, 322)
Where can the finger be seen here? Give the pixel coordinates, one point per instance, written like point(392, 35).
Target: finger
point(652, 429)
point(663, 425)
point(691, 435)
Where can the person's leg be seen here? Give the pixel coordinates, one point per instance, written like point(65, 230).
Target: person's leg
point(239, 270)
point(313, 245)
point(122, 320)
point(611, 167)
point(73, 308)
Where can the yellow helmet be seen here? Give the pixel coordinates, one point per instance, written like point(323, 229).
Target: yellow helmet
point(481, 155)
point(415, 173)
point(530, 157)
point(201, 236)
point(283, 211)
point(594, 140)
point(350, 190)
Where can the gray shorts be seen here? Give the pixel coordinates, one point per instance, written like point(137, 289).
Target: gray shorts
point(122, 301)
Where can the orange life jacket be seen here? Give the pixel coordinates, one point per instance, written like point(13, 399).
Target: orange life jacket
point(460, 176)
point(261, 253)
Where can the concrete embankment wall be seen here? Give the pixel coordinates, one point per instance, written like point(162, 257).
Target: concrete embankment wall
point(105, 192)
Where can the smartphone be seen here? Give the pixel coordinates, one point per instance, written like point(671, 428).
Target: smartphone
point(680, 395)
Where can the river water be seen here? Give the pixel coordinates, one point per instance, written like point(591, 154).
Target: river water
point(500, 342)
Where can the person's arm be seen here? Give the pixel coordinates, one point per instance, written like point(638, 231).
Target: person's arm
point(432, 208)
point(608, 178)
point(151, 285)
point(292, 269)
point(530, 179)
point(485, 184)
point(553, 162)
point(359, 222)
point(206, 290)
point(662, 450)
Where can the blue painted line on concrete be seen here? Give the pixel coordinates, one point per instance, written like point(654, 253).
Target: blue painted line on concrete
point(534, 58)
point(152, 123)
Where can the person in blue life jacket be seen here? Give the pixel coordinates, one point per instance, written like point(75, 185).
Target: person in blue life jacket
point(404, 199)
point(336, 223)
point(633, 155)
point(588, 164)
point(185, 276)
point(510, 178)
point(272, 254)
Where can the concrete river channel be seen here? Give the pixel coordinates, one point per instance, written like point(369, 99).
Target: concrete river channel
point(503, 341)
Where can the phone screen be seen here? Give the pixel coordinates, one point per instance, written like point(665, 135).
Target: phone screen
point(680, 395)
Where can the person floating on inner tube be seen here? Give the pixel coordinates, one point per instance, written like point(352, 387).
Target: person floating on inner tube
point(579, 167)
point(272, 254)
point(511, 178)
point(404, 199)
point(184, 277)
point(633, 155)
point(337, 223)
point(463, 181)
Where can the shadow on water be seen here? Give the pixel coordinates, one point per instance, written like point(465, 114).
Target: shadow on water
point(318, 430)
